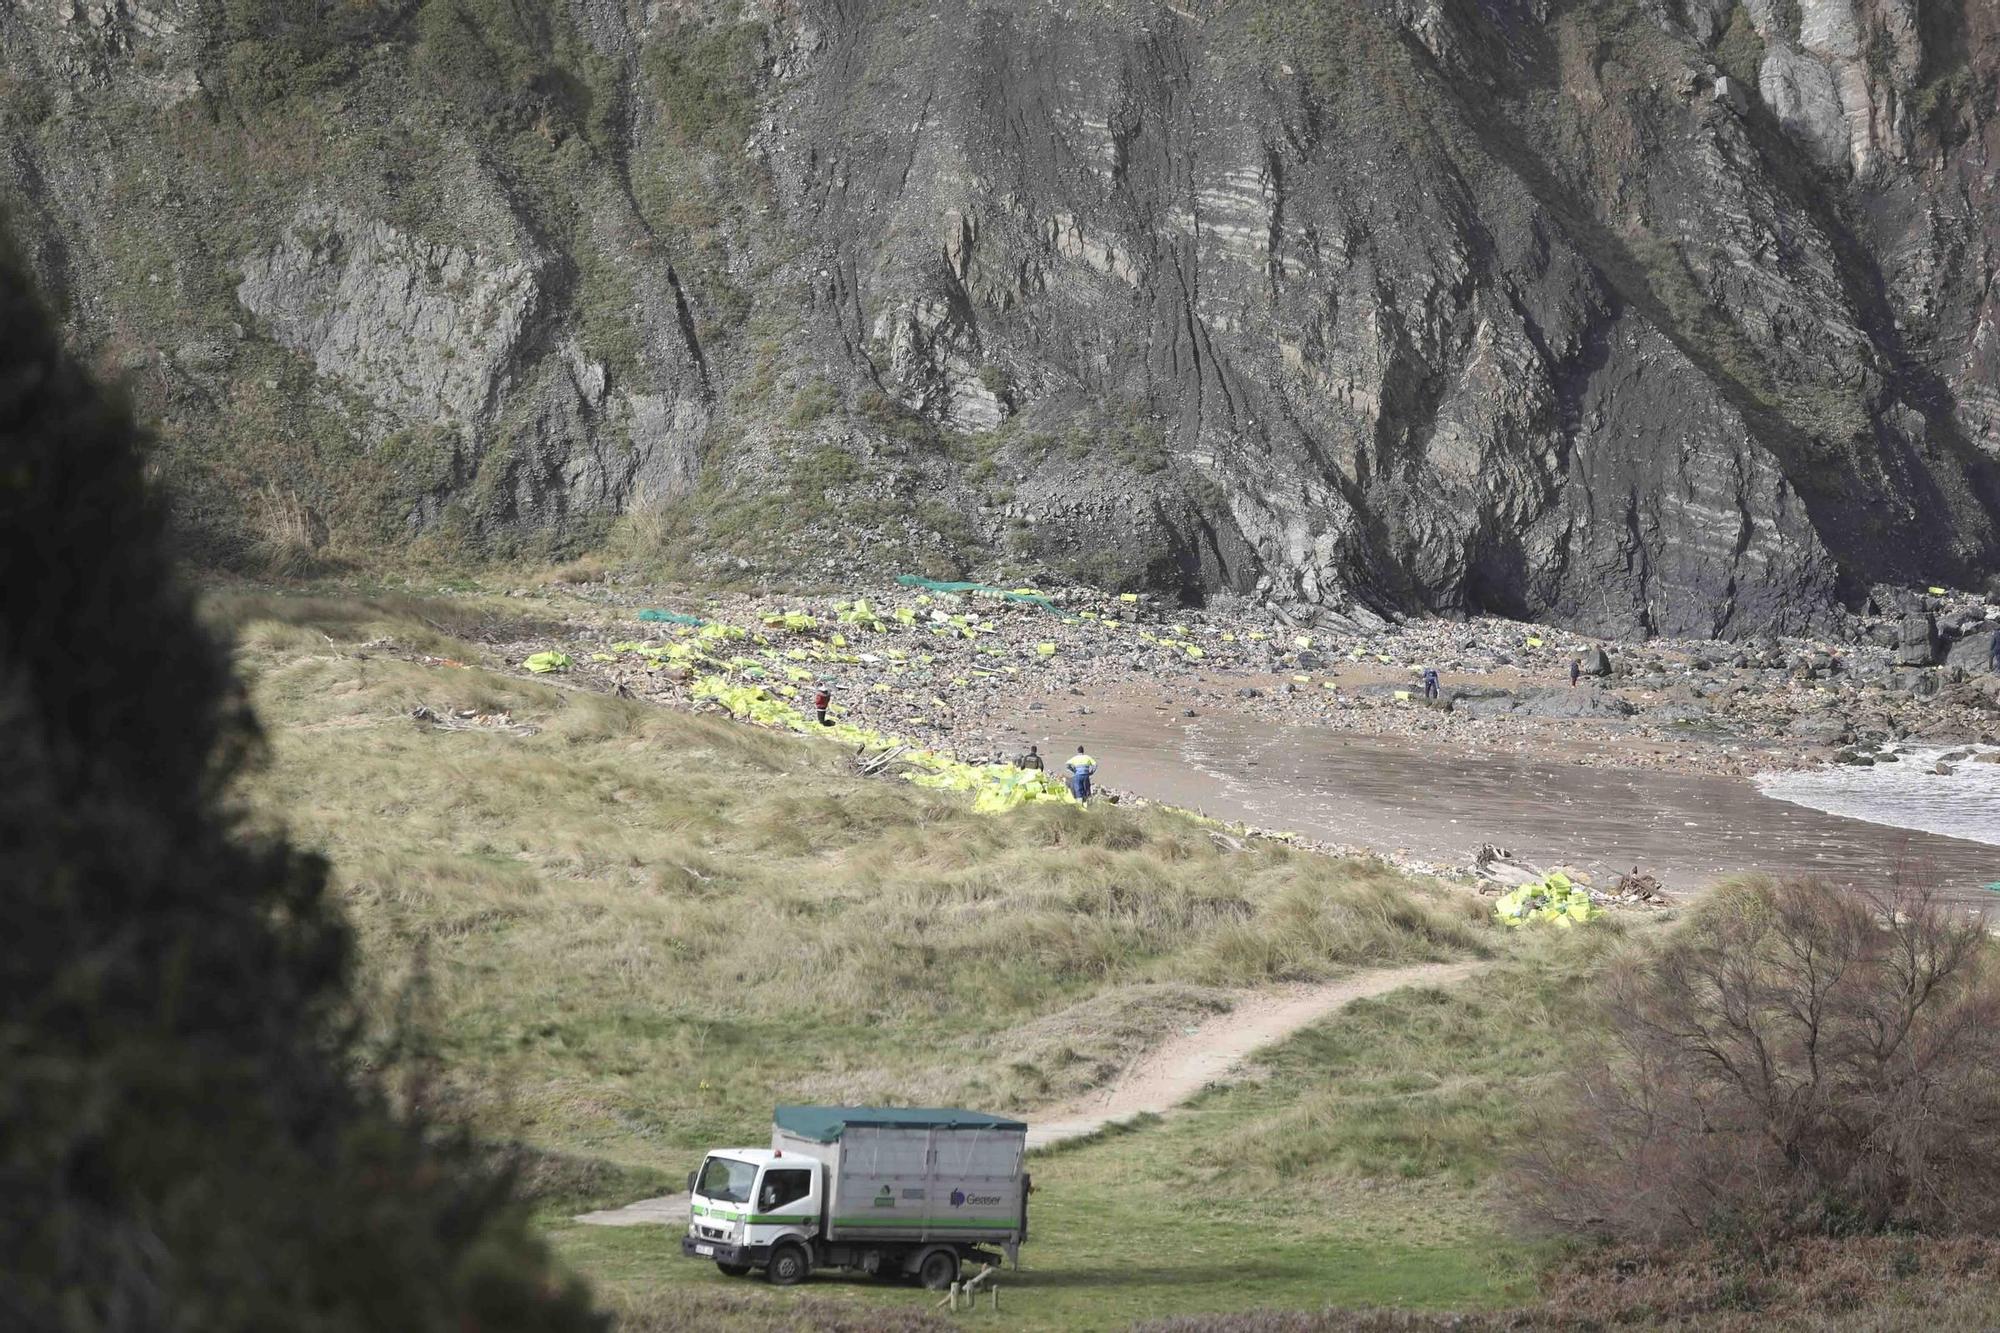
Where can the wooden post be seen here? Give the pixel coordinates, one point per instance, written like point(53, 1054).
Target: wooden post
point(954, 1298)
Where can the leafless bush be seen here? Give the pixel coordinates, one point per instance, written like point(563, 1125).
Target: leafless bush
point(1796, 1061)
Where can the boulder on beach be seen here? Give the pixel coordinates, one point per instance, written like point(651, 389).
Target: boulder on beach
point(1820, 729)
point(1974, 652)
point(1554, 703)
point(1916, 640)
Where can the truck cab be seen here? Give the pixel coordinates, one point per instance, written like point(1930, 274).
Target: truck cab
point(744, 1203)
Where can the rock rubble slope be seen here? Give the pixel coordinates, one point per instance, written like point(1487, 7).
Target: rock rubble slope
point(1660, 317)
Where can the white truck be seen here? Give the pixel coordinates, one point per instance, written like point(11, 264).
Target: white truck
point(891, 1191)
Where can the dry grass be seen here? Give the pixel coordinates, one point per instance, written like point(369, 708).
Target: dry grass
point(289, 537)
point(750, 1311)
point(1878, 1285)
point(643, 929)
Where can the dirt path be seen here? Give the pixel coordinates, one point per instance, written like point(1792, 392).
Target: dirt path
point(1166, 1077)
point(1184, 1066)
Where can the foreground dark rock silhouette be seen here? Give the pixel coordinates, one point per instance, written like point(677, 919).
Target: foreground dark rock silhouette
point(183, 1141)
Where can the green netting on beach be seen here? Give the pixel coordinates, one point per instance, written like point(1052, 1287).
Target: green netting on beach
point(671, 618)
point(977, 590)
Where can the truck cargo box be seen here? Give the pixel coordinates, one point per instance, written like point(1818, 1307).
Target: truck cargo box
point(913, 1173)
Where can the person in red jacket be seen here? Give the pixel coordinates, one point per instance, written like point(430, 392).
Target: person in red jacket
point(822, 701)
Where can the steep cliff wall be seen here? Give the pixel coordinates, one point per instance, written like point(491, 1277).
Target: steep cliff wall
point(1642, 315)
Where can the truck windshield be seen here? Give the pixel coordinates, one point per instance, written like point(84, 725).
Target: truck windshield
point(722, 1178)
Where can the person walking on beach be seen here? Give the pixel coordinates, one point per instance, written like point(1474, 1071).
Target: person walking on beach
point(1993, 655)
point(1431, 683)
point(1081, 767)
point(1575, 671)
point(1031, 760)
point(822, 701)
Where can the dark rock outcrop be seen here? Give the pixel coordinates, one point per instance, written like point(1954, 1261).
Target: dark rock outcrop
point(1973, 652)
point(1917, 640)
point(1669, 317)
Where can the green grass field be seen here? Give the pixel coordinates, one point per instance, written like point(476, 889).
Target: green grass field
point(1358, 1172)
point(636, 931)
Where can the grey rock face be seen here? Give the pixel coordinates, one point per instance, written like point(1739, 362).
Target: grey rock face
point(422, 328)
point(1803, 95)
point(1389, 308)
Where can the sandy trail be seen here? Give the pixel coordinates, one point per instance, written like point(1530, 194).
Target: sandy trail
point(1170, 1075)
point(1165, 1077)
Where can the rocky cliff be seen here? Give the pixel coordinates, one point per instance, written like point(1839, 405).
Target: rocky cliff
point(1667, 316)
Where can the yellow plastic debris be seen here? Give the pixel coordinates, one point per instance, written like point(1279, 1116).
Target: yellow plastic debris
point(1553, 899)
point(1304, 641)
point(1128, 596)
point(1935, 592)
point(1303, 680)
point(1534, 642)
point(1402, 696)
point(1045, 649)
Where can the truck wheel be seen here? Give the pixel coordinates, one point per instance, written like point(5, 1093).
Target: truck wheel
point(732, 1270)
point(788, 1266)
point(938, 1270)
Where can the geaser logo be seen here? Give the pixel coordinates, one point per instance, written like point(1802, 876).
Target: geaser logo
point(959, 1198)
point(885, 1199)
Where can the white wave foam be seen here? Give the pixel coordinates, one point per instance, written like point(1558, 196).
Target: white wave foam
point(1907, 794)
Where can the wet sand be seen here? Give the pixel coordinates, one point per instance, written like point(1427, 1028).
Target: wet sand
point(1391, 796)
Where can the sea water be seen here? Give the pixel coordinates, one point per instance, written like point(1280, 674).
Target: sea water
point(1907, 794)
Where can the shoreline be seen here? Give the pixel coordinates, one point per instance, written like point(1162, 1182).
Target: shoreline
point(1663, 731)
point(1432, 813)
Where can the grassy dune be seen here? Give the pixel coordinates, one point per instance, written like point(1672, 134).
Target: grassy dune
point(628, 933)
point(638, 930)
point(1358, 1172)
point(641, 929)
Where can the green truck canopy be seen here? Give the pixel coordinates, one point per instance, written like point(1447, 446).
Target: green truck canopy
point(825, 1124)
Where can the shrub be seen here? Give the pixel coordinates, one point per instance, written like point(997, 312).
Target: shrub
point(1795, 1061)
point(705, 81)
point(812, 404)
